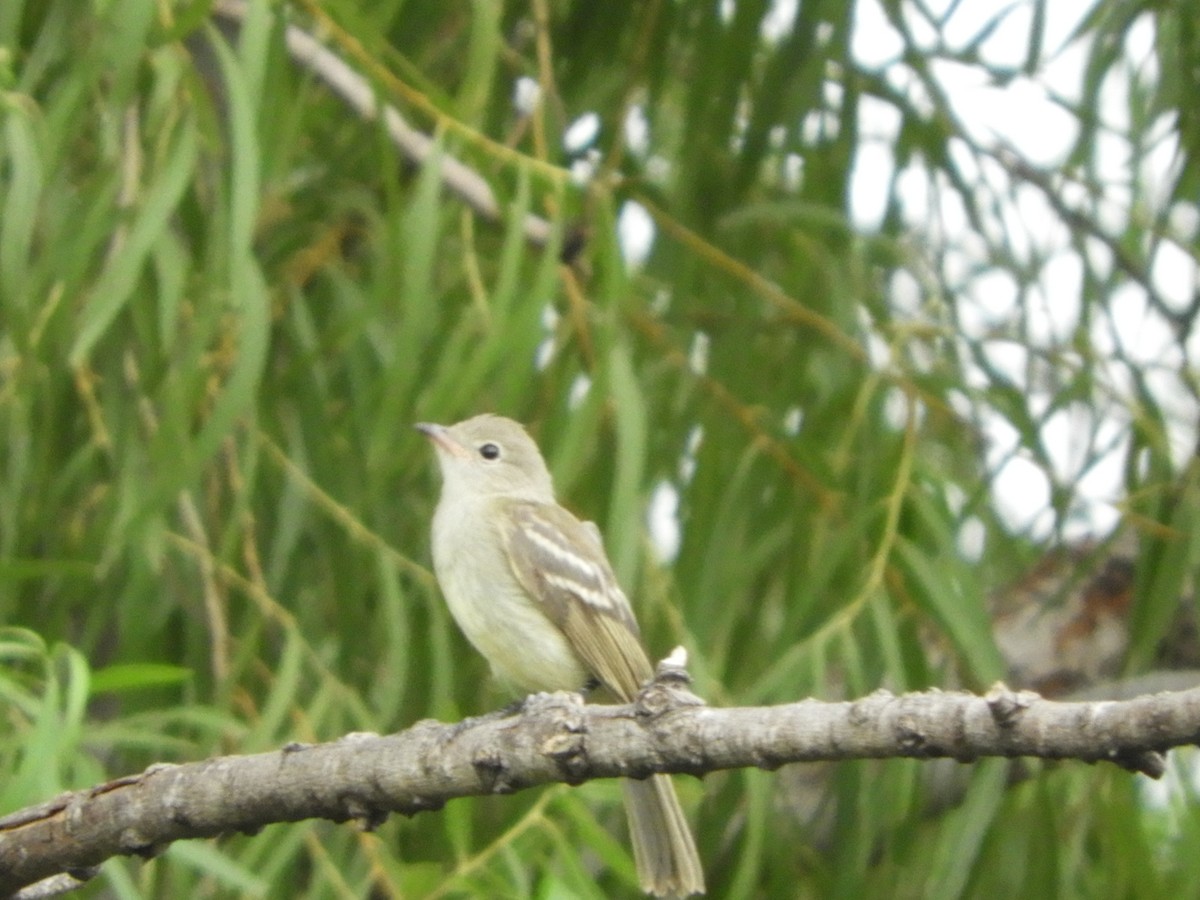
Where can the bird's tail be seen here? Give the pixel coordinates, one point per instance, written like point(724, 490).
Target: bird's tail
point(667, 862)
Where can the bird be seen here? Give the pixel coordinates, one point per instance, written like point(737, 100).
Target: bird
point(531, 588)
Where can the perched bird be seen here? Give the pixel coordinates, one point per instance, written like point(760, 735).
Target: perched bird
point(532, 589)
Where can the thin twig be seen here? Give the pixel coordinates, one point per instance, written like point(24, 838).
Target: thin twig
point(413, 144)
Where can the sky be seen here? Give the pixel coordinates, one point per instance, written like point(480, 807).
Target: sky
point(1086, 444)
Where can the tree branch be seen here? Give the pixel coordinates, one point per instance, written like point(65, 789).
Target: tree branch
point(470, 186)
point(556, 738)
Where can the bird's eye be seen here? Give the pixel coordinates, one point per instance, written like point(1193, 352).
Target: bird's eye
point(489, 451)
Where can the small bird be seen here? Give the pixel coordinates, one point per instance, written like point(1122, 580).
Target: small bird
point(532, 589)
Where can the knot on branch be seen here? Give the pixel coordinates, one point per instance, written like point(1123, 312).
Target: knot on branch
point(492, 772)
point(133, 843)
point(910, 737)
point(367, 817)
point(669, 689)
point(1150, 763)
point(1007, 705)
point(561, 729)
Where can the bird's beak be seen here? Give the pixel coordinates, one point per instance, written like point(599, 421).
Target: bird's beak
point(443, 442)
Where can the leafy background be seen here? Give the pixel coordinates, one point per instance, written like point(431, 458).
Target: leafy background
point(224, 300)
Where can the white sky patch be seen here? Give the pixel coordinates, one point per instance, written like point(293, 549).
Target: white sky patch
point(584, 168)
point(1103, 335)
point(1184, 220)
point(793, 420)
point(662, 521)
point(635, 232)
point(1066, 437)
point(905, 82)
point(1160, 167)
point(819, 126)
point(971, 539)
point(960, 403)
point(822, 123)
point(833, 95)
point(1139, 44)
point(950, 210)
point(1099, 257)
point(1031, 218)
point(877, 120)
point(906, 294)
point(973, 376)
point(1002, 438)
point(878, 351)
point(1021, 112)
point(923, 356)
point(1057, 301)
point(1029, 113)
point(923, 35)
point(956, 500)
point(687, 461)
point(1005, 46)
point(544, 354)
point(582, 133)
point(580, 388)
point(1179, 407)
point(1139, 335)
point(793, 171)
point(698, 353)
point(1099, 484)
point(1062, 22)
point(527, 94)
point(1073, 194)
point(778, 21)
point(737, 141)
point(1111, 211)
point(874, 43)
point(1173, 273)
point(637, 130)
point(1114, 102)
point(914, 191)
point(658, 169)
point(1063, 73)
point(1009, 361)
point(1022, 498)
point(899, 409)
point(870, 180)
point(995, 300)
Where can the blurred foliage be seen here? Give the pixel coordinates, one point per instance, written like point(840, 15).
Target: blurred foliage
point(224, 300)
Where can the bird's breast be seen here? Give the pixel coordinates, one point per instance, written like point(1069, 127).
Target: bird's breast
point(522, 645)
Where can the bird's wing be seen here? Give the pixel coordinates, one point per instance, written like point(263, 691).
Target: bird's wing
point(562, 566)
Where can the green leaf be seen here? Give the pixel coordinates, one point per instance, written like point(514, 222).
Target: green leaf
point(115, 286)
point(963, 621)
point(137, 676)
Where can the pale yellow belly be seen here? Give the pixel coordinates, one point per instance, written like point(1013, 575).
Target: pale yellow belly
point(525, 649)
